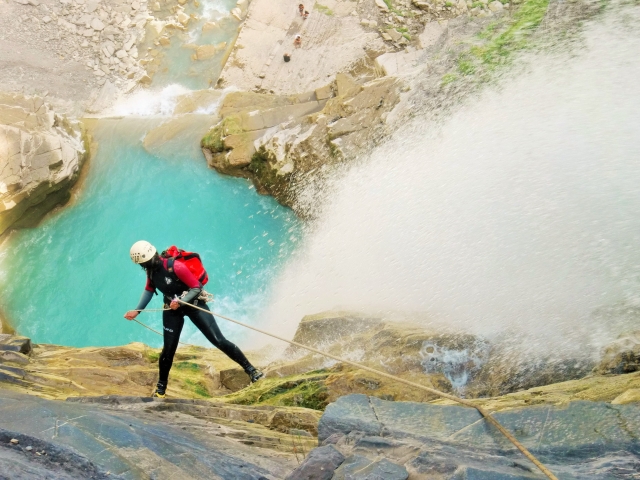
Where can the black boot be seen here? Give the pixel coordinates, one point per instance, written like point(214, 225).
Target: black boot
point(161, 389)
point(254, 374)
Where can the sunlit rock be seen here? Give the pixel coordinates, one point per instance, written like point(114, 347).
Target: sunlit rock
point(622, 355)
point(40, 158)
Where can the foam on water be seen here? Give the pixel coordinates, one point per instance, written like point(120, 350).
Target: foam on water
point(216, 9)
point(517, 217)
point(150, 102)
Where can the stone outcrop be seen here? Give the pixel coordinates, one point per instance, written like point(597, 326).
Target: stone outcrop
point(288, 143)
point(453, 442)
point(58, 372)
point(337, 36)
point(41, 154)
point(136, 438)
point(622, 355)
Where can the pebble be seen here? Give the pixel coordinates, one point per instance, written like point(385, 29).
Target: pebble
point(29, 448)
point(15, 441)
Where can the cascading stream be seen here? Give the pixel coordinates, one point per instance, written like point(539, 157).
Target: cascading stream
point(515, 218)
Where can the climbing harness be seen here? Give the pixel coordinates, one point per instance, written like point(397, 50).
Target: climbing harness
point(462, 401)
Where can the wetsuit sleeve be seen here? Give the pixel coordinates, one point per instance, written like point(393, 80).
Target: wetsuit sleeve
point(185, 275)
point(144, 299)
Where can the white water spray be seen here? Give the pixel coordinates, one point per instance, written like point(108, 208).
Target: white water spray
point(146, 103)
point(520, 214)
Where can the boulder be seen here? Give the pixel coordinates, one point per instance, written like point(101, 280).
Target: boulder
point(496, 6)
point(209, 26)
point(97, 25)
point(15, 343)
point(622, 355)
point(183, 18)
point(347, 86)
point(318, 465)
point(630, 396)
point(234, 379)
point(204, 52)
point(382, 5)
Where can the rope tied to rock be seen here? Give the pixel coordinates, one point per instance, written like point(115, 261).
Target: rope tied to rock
point(461, 401)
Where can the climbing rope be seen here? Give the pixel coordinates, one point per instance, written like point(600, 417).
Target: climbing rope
point(155, 331)
point(462, 401)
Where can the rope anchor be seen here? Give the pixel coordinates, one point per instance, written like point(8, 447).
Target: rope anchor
point(461, 401)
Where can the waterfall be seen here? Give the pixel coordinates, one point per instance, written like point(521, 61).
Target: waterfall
point(518, 216)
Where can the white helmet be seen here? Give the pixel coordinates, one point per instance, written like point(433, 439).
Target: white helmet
point(142, 251)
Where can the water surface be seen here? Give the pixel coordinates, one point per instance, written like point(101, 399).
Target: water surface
point(70, 280)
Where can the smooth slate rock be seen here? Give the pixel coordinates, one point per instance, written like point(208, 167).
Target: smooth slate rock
point(347, 414)
point(132, 444)
point(358, 467)
point(319, 464)
point(581, 440)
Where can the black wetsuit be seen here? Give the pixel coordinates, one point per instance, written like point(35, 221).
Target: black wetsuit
point(172, 323)
point(175, 279)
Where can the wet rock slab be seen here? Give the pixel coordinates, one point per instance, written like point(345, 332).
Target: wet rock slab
point(128, 444)
point(581, 440)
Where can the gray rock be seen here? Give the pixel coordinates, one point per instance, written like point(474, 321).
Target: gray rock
point(358, 467)
point(13, 357)
point(576, 441)
point(59, 462)
point(84, 440)
point(15, 343)
point(319, 464)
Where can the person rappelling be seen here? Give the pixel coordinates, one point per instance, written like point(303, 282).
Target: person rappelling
point(180, 277)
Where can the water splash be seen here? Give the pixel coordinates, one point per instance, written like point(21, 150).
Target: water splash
point(147, 103)
point(519, 214)
point(458, 365)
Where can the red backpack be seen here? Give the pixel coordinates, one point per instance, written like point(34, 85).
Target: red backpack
point(190, 259)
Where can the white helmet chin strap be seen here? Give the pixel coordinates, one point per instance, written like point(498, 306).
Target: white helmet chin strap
point(142, 251)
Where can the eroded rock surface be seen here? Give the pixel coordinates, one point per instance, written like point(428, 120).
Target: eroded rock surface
point(90, 440)
point(289, 143)
point(41, 154)
point(581, 440)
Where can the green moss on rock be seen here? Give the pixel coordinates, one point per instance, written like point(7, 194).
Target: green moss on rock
point(213, 140)
point(306, 390)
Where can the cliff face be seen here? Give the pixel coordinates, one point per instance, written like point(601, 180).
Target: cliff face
point(109, 424)
point(287, 144)
point(41, 154)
